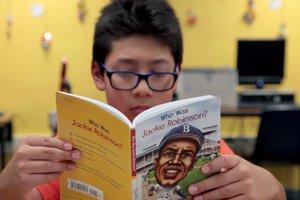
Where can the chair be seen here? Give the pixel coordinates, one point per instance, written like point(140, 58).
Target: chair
point(278, 136)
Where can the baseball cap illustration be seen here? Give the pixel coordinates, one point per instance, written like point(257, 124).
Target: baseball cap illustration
point(184, 131)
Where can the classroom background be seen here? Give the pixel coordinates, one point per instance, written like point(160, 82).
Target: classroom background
point(30, 73)
point(37, 36)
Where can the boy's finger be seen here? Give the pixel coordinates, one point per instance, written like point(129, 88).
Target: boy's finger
point(38, 179)
point(48, 153)
point(226, 192)
point(216, 181)
point(42, 167)
point(222, 162)
point(48, 142)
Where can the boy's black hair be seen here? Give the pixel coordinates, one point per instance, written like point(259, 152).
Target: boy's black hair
point(122, 18)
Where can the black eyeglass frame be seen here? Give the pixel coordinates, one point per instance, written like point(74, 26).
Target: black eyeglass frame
point(141, 76)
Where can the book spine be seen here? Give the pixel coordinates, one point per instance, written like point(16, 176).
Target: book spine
point(133, 153)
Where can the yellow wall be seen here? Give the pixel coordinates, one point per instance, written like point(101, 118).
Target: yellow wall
point(212, 41)
point(29, 75)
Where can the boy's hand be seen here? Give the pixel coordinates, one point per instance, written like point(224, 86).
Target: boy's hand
point(238, 179)
point(37, 160)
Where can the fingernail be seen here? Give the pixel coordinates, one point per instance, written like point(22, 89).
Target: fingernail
point(193, 190)
point(76, 155)
point(67, 146)
point(198, 198)
point(205, 169)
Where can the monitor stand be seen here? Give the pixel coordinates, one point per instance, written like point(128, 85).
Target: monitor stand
point(260, 84)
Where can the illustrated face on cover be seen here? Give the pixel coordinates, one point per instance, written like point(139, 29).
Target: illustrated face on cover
point(176, 158)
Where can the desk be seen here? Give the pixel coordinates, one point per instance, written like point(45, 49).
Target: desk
point(241, 113)
point(5, 133)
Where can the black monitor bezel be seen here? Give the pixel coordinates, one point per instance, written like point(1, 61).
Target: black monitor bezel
point(261, 80)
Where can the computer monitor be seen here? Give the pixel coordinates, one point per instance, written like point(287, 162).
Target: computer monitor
point(260, 62)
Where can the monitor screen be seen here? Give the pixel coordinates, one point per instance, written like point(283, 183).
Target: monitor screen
point(260, 61)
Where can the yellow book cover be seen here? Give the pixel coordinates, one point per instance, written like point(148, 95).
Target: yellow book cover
point(157, 156)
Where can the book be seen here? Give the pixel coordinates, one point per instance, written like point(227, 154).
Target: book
point(156, 156)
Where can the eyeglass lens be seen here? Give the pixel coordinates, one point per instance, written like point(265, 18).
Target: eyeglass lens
point(125, 80)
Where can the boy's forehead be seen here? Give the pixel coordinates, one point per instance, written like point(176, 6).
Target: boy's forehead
point(135, 49)
point(139, 41)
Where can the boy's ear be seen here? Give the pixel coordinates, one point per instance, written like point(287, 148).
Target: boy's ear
point(98, 76)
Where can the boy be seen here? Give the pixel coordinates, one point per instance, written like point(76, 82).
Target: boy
point(143, 38)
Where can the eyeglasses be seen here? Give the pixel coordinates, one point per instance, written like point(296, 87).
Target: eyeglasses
point(128, 80)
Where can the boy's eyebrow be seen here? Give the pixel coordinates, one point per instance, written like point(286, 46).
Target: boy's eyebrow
point(132, 61)
point(129, 61)
point(159, 61)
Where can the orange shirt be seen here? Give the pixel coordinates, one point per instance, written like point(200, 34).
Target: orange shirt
point(50, 191)
point(225, 149)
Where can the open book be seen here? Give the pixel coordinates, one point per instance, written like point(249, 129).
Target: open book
point(157, 155)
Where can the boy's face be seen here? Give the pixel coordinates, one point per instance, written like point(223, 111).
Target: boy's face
point(141, 54)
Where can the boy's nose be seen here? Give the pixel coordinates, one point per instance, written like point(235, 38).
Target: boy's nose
point(142, 89)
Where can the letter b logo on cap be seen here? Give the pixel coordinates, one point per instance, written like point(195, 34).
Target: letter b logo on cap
point(186, 128)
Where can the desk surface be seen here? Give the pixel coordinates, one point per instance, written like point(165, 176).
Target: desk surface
point(240, 112)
